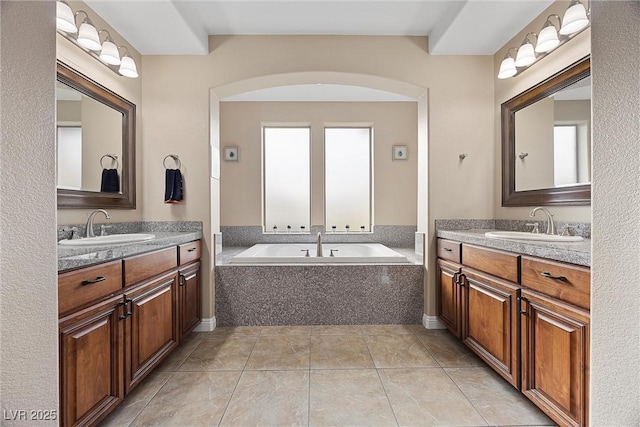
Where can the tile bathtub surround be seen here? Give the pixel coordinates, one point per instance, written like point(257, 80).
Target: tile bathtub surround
point(257, 295)
point(396, 236)
point(381, 386)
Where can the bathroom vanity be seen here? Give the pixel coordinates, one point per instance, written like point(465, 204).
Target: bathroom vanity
point(524, 310)
point(119, 318)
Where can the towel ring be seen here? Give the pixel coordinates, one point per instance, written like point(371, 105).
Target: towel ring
point(175, 159)
point(113, 157)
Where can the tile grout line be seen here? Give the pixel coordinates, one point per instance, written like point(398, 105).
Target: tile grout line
point(309, 389)
point(150, 399)
point(395, 417)
point(465, 395)
point(226, 407)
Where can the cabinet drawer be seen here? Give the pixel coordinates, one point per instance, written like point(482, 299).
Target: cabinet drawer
point(450, 250)
point(492, 261)
point(81, 287)
point(188, 252)
point(144, 266)
point(567, 282)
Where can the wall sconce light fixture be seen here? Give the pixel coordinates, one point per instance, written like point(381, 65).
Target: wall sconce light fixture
point(535, 47)
point(88, 38)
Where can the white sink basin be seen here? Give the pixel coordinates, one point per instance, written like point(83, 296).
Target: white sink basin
point(524, 235)
point(112, 239)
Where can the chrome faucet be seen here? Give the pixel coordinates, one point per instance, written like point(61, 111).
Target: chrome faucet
point(551, 226)
point(90, 232)
point(319, 246)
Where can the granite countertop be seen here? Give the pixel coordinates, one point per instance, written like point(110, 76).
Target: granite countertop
point(75, 257)
point(574, 252)
point(224, 258)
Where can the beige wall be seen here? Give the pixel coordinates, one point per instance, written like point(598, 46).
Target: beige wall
point(69, 111)
point(615, 333)
point(534, 136)
point(395, 182)
point(130, 89)
point(458, 89)
point(101, 134)
point(570, 52)
point(28, 280)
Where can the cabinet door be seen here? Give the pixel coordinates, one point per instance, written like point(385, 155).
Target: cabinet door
point(448, 296)
point(555, 358)
point(490, 322)
point(91, 363)
point(152, 328)
point(189, 298)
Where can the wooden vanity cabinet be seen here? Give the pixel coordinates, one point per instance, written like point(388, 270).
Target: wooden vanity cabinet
point(490, 308)
point(528, 318)
point(189, 291)
point(448, 295)
point(555, 358)
point(91, 344)
point(151, 294)
point(189, 287)
point(151, 329)
point(91, 350)
point(490, 321)
point(478, 305)
point(555, 338)
point(118, 321)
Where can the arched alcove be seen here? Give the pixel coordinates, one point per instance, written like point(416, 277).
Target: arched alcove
point(374, 83)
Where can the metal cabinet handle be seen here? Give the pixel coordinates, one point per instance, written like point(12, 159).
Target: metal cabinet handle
point(520, 300)
point(551, 276)
point(448, 249)
point(126, 313)
point(191, 250)
point(96, 280)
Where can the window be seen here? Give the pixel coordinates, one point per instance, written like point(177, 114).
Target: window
point(347, 177)
point(286, 179)
point(69, 155)
point(565, 155)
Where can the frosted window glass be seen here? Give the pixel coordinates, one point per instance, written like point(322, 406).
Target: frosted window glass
point(565, 162)
point(347, 153)
point(287, 179)
point(69, 165)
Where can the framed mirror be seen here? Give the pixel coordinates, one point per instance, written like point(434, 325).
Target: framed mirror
point(546, 141)
point(95, 143)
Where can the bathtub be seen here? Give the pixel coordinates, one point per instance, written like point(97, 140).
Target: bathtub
point(286, 253)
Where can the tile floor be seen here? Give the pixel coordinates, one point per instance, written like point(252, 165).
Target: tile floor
point(378, 375)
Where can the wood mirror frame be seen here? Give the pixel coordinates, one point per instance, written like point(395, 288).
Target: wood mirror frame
point(573, 195)
point(78, 199)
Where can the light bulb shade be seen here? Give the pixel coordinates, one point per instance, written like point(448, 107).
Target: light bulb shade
point(109, 53)
point(507, 68)
point(575, 19)
point(526, 56)
point(65, 20)
point(88, 36)
point(547, 40)
point(128, 67)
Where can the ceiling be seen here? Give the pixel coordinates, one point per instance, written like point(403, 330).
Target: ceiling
point(454, 27)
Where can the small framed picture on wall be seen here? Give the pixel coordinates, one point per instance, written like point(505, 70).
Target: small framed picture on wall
point(399, 152)
point(231, 154)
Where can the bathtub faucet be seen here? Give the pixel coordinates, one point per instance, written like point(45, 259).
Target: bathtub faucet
point(319, 246)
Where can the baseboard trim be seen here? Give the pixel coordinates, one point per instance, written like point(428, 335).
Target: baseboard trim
point(432, 322)
point(207, 325)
